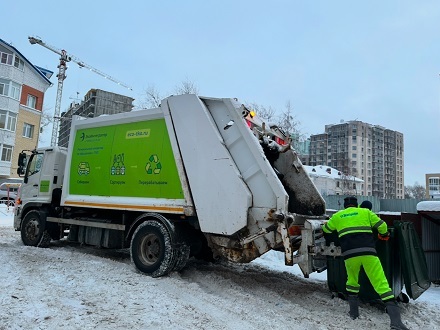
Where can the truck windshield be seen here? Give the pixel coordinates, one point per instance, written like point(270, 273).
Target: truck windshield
point(34, 165)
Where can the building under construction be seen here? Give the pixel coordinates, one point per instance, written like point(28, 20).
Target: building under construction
point(96, 103)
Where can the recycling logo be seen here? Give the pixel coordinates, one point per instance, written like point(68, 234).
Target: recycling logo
point(153, 166)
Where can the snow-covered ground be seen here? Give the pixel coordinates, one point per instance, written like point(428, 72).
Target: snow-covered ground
point(76, 287)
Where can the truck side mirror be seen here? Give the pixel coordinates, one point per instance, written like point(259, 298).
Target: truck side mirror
point(21, 170)
point(22, 159)
point(22, 162)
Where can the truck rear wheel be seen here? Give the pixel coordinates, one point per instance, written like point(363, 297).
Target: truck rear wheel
point(33, 231)
point(151, 249)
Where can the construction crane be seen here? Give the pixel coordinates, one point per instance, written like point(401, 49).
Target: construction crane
point(62, 67)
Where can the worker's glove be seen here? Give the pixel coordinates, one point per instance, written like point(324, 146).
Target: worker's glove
point(384, 237)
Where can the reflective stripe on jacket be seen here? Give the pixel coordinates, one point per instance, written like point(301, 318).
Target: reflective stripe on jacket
point(355, 230)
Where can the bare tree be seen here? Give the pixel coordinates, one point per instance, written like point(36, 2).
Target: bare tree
point(186, 87)
point(348, 182)
point(152, 98)
point(288, 122)
point(46, 120)
point(266, 113)
point(416, 191)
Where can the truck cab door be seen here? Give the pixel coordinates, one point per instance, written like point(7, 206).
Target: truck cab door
point(36, 186)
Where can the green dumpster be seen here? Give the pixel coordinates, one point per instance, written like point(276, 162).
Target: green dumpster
point(403, 262)
point(414, 266)
point(391, 264)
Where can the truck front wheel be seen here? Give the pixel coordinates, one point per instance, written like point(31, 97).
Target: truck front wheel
point(151, 249)
point(33, 232)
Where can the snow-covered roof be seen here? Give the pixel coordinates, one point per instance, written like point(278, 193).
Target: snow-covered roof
point(329, 172)
point(46, 74)
point(429, 206)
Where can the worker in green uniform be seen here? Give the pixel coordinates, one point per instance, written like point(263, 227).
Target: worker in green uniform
point(355, 231)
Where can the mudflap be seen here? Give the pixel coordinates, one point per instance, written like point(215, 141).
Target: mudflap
point(414, 267)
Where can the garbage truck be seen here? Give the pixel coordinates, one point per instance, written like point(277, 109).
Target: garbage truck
point(196, 177)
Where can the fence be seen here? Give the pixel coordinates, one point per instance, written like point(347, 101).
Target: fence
point(336, 202)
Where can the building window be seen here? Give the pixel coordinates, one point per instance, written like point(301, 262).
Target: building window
point(7, 120)
point(31, 101)
point(434, 181)
point(28, 130)
point(3, 118)
point(12, 120)
point(9, 88)
point(4, 87)
point(6, 153)
point(5, 58)
point(434, 184)
point(15, 91)
point(18, 63)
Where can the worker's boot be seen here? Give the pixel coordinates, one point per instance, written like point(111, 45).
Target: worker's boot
point(393, 311)
point(353, 302)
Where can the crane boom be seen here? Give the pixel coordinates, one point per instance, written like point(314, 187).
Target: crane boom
point(62, 67)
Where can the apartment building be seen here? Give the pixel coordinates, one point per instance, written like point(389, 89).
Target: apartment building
point(22, 88)
point(371, 153)
point(96, 103)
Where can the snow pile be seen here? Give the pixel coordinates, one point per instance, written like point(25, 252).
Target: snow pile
point(77, 287)
point(429, 206)
point(6, 216)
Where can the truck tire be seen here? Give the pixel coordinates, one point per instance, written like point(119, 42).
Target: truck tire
point(33, 231)
point(151, 250)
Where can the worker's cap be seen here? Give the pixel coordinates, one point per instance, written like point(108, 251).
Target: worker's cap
point(366, 205)
point(350, 201)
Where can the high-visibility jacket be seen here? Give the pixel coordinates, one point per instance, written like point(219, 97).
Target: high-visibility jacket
point(355, 230)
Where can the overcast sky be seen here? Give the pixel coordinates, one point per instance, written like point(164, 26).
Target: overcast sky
point(373, 61)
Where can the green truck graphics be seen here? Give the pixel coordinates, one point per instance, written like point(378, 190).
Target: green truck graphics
point(130, 160)
point(153, 165)
point(44, 186)
point(118, 167)
point(83, 168)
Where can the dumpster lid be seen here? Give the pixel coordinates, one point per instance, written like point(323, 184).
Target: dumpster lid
point(414, 267)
